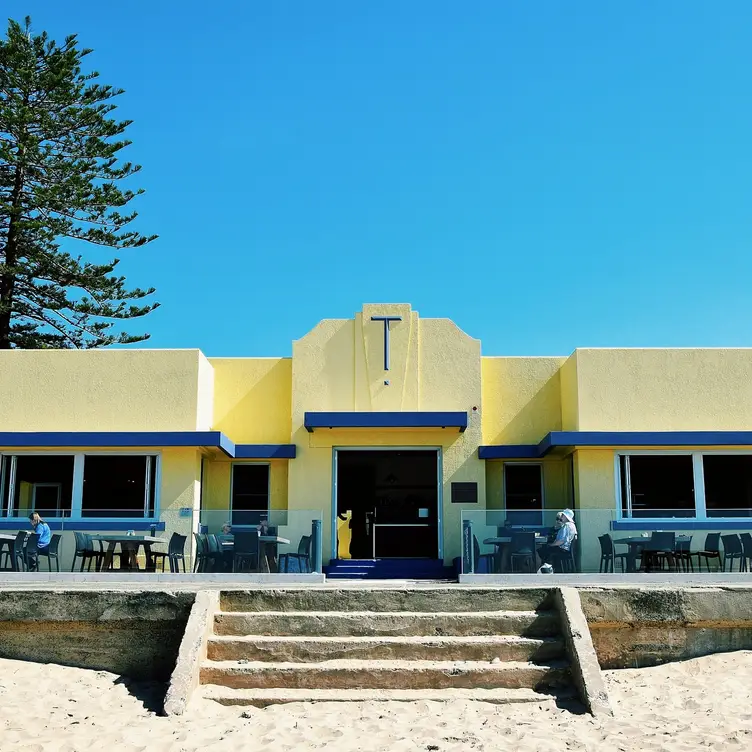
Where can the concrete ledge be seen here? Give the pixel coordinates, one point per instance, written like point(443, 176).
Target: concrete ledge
point(192, 652)
point(584, 666)
point(656, 579)
point(165, 581)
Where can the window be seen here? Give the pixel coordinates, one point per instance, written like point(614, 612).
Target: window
point(698, 485)
point(250, 493)
point(36, 482)
point(659, 485)
point(728, 485)
point(119, 485)
point(523, 493)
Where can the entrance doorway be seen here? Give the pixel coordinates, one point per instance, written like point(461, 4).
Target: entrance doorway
point(387, 503)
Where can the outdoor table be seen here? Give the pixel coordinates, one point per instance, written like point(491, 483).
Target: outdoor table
point(636, 544)
point(129, 545)
point(502, 548)
point(267, 551)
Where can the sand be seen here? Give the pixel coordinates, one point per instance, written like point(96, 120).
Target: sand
point(705, 703)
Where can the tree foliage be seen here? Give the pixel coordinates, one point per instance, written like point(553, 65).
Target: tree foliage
point(59, 176)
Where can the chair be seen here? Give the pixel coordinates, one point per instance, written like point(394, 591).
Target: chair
point(732, 549)
point(608, 555)
point(51, 552)
point(17, 554)
point(200, 561)
point(712, 550)
point(683, 555)
point(302, 557)
point(31, 553)
point(175, 553)
point(522, 552)
point(659, 550)
point(246, 552)
point(85, 551)
point(484, 563)
point(214, 552)
point(563, 561)
point(746, 540)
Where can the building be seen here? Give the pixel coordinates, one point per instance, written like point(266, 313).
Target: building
point(389, 428)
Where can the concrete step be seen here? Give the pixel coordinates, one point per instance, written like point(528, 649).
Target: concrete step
point(313, 649)
point(427, 599)
point(401, 623)
point(346, 674)
point(261, 698)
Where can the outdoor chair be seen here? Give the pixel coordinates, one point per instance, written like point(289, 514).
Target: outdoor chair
point(86, 552)
point(175, 553)
point(18, 551)
point(608, 555)
point(484, 563)
point(200, 560)
point(6, 554)
point(522, 552)
point(746, 540)
point(683, 555)
point(31, 553)
point(302, 557)
point(51, 552)
point(246, 553)
point(711, 551)
point(214, 552)
point(565, 562)
point(659, 551)
point(732, 550)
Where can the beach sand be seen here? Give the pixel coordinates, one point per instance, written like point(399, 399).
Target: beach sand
point(705, 703)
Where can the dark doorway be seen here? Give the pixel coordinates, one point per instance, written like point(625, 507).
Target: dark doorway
point(390, 500)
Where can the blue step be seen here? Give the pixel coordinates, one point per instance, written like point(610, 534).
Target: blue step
point(384, 569)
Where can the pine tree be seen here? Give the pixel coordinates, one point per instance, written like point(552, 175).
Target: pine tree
point(59, 173)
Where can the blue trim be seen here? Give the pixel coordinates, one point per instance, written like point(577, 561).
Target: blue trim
point(458, 420)
point(265, 451)
point(22, 523)
point(556, 439)
point(674, 524)
point(131, 439)
point(508, 451)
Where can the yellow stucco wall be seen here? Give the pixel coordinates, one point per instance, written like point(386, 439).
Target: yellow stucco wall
point(252, 399)
point(664, 389)
point(521, 399)
point(100, 390)
point(570, 400)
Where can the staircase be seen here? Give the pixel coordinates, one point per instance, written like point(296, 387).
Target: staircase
point(388, 569)
point(293, 645)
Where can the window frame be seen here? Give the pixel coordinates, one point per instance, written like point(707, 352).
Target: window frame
point(698, 473)
point(517, 463)
point(268, 485)
point(78, 483)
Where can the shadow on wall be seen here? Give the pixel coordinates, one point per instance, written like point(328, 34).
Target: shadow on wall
point(131, 633)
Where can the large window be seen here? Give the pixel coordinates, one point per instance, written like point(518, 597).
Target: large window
point(523, 493)
point(250, 493)
point(118, 486)
point(690, 484)
point(73, 485)
point(37, 482)
point(728, 485)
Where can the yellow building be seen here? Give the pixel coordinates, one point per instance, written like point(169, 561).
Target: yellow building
point(392, 430)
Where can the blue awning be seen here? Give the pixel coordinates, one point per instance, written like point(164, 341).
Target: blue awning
point(439, 420)
point(595, 439)
point(142, 439)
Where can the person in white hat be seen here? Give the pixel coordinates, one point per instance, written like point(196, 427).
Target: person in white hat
point(566, 534)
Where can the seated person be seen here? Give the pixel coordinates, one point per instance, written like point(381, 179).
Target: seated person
point(42, 529)
point(566, 533)
point(225, 533)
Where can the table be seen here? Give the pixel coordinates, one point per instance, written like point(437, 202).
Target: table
point(502, 548)
point(129, 545)
point(267, 551)
point(635, 545)
point(6, 539)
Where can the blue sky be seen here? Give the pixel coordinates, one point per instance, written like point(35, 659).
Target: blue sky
point(549, 175)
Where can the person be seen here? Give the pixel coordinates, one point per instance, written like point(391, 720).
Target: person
point(42, 529)
point(566, 533)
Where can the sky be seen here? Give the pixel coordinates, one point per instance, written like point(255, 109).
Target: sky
point(549, 175)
